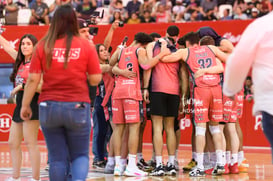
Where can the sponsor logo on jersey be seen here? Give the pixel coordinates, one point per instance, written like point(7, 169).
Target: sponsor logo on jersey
point(59, 54)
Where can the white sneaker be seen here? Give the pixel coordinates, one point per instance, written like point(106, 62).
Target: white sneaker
point(13, 179)
point(134, 172)
point(118, 170)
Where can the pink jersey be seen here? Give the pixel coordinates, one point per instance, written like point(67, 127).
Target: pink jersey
point(203, 57)
point(165, 76)
point(126, 88)
point(22, 73)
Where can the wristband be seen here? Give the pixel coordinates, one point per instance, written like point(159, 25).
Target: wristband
point(145, 88)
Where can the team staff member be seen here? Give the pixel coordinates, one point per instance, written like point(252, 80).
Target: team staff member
point(23, 129)
point(66, 62)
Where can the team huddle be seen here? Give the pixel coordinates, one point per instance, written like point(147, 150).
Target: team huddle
point(174, 81)
point(154, 79)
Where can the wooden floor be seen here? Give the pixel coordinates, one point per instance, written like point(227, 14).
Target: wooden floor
point(259, 159)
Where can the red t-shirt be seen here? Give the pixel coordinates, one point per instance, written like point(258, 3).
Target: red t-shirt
point(70, 84)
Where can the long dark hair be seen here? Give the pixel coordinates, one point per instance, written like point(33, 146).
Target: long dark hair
point(64, 24)
point(20, 56)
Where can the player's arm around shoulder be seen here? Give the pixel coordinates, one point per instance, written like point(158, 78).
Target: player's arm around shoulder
point(218, 53)
point(180, 54)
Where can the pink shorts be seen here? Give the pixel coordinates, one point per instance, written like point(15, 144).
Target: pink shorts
point(125, 111)
point(229, 110)
point(208, 104)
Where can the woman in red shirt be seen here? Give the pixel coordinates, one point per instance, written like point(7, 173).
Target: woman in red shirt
point(19, 128)
point(66, 61)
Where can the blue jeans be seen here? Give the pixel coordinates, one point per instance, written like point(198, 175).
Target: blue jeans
point(267, 121)
point(100, 130)
point(66, 127)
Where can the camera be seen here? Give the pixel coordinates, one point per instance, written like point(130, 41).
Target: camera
point(93, 31)
point(121, 24)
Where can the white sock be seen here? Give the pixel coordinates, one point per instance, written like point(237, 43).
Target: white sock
point(234, 158)
point(111, 161)
point(194, 155)
point(139, 156)
point(240, 157)
point(132, 161)
point(213, 158)
point(118, 160)
point(228, 157)
point(199, 159)
point(171, 159)
point(224, 157)
point(158, 160)
point(176, 154)
point(206, 158)
point(219, 157)
point(123, 161)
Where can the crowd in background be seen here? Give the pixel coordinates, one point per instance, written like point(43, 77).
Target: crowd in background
point(140, 11)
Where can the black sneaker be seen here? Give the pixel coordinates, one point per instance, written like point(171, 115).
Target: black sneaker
point(218, 170)
point(142, 165)
point(170, 169)
point(197, 172)
point(158, 171)
point(152, 163)
point(99, 165)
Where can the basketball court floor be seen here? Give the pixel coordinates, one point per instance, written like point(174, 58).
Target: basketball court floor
point(259, 159)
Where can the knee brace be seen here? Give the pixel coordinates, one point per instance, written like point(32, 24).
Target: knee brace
point(214, 129)
point(200, 131)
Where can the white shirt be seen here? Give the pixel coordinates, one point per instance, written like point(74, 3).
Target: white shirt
point(255, 49)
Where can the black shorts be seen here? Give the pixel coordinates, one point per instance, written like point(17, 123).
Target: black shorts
point(166, 105)
point(33, 105)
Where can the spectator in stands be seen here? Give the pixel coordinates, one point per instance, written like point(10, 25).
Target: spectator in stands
point(116, 16)
point(179, 10)
point(134, 19)
point(241, 4)
point(85, 9)
point(254, 13)
point(11, 13)
point(161, 15)
point(248, 9)
point(53, 7)
point(39, 12)
point(209, 15)
point(146, 6)
point(133, 6)
point(266, 6)
point(207, 5)
point(248, 89)
point(226, 15)
point(117, 6)
point(146, 18)
point(191, 8)
point(239, 14)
